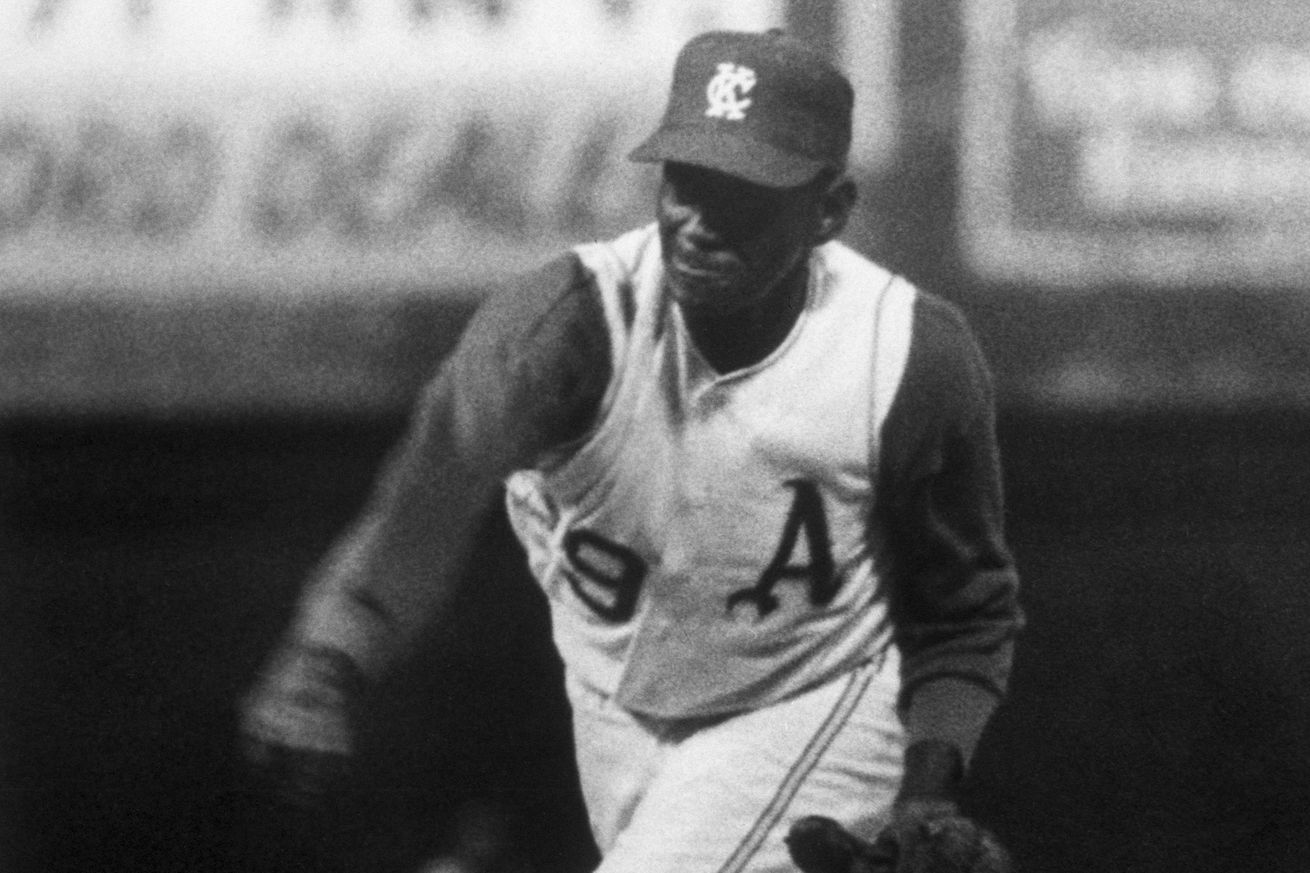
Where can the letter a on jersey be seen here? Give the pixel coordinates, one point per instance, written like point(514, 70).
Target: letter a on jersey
point(806, 514)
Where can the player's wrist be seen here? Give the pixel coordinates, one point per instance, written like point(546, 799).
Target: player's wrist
point(933, 775)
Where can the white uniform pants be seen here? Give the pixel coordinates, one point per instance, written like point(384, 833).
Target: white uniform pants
point(666, 798)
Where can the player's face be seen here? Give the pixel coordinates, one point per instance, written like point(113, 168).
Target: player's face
point(727, 243)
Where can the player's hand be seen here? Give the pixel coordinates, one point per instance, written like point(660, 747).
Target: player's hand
point(918, 840)
point(818, 844)
point(926, 832)
point(929, 835)
point(296, 725)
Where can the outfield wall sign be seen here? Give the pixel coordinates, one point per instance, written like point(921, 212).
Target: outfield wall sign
point(156, 145)
point(1137, 142)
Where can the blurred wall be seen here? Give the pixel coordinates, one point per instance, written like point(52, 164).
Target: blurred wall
point(236, 207)
point(294, 209)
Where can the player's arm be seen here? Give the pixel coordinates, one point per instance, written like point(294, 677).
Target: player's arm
point(952, 584)
point(526, 376)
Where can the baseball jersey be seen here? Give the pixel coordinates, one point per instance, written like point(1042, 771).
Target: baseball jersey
point(707, 541)
point(706, 550)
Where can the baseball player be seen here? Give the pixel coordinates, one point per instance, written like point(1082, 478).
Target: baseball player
point(756, 477)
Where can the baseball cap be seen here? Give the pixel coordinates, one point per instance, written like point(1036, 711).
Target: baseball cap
point(764, 107)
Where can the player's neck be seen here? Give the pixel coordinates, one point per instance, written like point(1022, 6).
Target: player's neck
point(742, 339)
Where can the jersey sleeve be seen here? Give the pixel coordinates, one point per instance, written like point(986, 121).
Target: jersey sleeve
point(953, 585)
point(527, 375)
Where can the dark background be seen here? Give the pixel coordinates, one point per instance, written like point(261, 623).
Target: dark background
point(1157, 722)
point(150, 553)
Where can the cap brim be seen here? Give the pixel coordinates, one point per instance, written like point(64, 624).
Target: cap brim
point(728, 153)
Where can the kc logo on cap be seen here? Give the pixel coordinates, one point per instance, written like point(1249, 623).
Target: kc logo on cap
point(726, 92)
point(764, 107)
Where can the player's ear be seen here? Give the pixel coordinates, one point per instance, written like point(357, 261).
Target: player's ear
point(836, 201)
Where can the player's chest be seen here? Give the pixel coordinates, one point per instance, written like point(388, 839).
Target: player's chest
point(805, 414)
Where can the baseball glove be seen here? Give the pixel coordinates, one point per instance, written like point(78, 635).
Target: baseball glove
point(946, 843)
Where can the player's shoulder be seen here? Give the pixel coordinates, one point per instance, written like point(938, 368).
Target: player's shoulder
point(946, 359)
point(943, 322)
point(625, 274)
point(619, 259)
point(938, 320)
point(935, 316)
point(519, 304)
point(848, 268)
point(576, 273)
